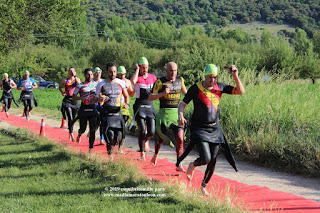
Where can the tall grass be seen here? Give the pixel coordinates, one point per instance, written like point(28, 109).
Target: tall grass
point(276, 123)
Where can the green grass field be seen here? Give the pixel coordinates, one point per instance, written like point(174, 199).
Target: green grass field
point(39, 176)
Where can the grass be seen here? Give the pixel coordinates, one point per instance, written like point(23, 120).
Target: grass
point(39, 176)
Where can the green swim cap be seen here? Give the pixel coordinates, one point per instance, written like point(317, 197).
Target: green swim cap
point(97, 69)
point(143, 60)
point(27, 72)
point(5, 74)
point(211, 69)
point(122, 70)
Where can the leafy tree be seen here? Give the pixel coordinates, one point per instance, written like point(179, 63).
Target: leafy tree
point(19, 19)
point(302, 44)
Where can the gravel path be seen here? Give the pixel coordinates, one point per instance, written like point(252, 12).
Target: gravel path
point(248, 173)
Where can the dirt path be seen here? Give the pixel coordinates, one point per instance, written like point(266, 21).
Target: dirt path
point(248, 173)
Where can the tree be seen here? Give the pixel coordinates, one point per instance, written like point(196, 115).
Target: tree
point(302, 44)
point(19, 19)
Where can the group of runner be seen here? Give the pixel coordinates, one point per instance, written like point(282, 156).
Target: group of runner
point(105, 104)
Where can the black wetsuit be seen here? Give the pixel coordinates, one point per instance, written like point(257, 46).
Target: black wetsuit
point(7, 96)
point(87, 111)
point(206, 133)
point(69, 106)
point(144, 112)
point(112, 122)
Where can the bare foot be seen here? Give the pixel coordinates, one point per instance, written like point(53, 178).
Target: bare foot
point(204, 191)
point(90, 150)
point(102, 142)
point(154, 159)
point(122, 151)
point(78, 138)
point(142, 156)
point(71, 137)
point(7, 114)
point(190, 171)
point(180, 168)
point(146, 146)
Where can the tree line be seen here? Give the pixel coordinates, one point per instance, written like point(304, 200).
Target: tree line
point(304, 14)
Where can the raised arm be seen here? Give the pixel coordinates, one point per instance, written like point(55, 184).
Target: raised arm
point(239, 89)
point(134, 78)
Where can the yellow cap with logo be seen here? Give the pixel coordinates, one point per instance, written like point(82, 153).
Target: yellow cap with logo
point(143, 60)
point(211, 69)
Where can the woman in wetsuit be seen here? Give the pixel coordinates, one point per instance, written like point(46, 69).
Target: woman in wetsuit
point(7, 97)
point(69, 106)
point(87, 111)
point(144, 112)
point(27, 84)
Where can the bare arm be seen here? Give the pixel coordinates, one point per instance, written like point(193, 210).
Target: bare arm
point(62, 85)
point(131, 92)
point(239, 89)
point(134, 78)
point(12, 84)
point(184, 90)
point(153, 97)
point(181, 107)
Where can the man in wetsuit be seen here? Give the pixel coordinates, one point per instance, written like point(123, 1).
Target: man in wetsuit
point(26, 85)
point(69, 106)
point(205, 129)
point(110, 91)
point(7, 97)
point(167, 89)
point(87, 111)
point(144, 112)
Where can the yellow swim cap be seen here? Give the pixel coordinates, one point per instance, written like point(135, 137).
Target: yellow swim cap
point(27, 72)
point(5, 74)
point(211, 69)
point(121, 70)
point(143, 60)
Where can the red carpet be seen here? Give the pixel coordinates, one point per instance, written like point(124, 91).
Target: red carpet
point(253, 197)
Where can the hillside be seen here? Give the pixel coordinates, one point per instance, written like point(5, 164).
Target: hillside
point(299, 13)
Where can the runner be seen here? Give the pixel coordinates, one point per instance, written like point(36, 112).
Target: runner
point(205, 129)
point(121, 74)
point(112, 122)
point(87, 111)
point(97, 78)
point(69, 106)
point(26, 85)
point(7, 97)
point(168, 90)
point(144, 112)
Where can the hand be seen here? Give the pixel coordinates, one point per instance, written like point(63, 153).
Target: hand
point(137, 66)
point(182, 121)
point(233, 70)
point(166, 90)
point(126, 106)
